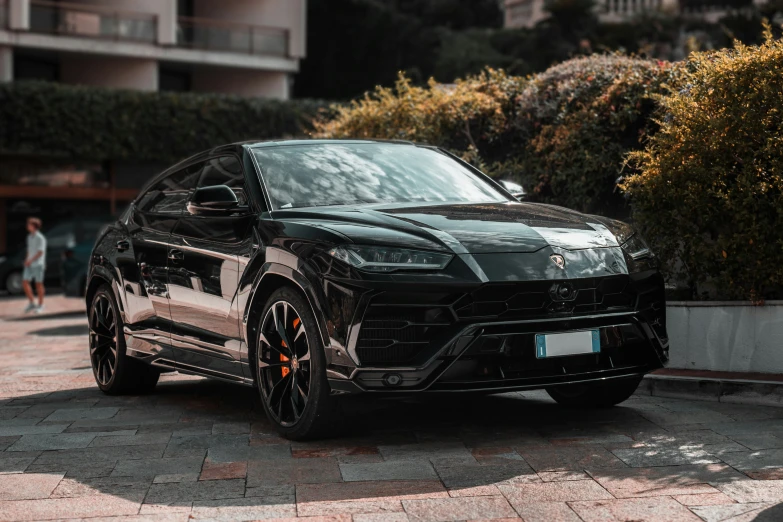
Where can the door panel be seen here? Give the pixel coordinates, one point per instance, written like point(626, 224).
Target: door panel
point(203, 279)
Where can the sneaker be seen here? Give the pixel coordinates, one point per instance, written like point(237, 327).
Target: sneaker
point(30, 308)
point(38, 309)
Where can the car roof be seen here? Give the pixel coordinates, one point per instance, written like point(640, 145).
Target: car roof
point(278, 143)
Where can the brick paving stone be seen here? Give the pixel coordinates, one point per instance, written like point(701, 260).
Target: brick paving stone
point(745, 491)
point(380, 517)
point(389, 470)
point(243, 509)
point(669, 480)
point(183, 446)
point(245, 453)
point(186, 492)
point(130, 440)
point(74, 414)
point(475, 491)
point(559, 476)
point(569, 458)
point(735, 512)
point(271, 491)
point(425, 451)
point(16, 464)
point(465, 508)
point(61, 508)
point(231, 428)
point(128, 488)
point(755, 460)
point(153, 467)
point(519, 494)
point(659, 509)
point(508, 472)
point(646, 457)
point(705, 499)
point(223, 470)
point(337, 507)
point(546, 512)
point(357, 451)
point(371, 490)
point(766, 474)
point(176, 477)
point(55, 441)
point(292, 471)
point(760, 441)
point(11, 431)
point(28, 486)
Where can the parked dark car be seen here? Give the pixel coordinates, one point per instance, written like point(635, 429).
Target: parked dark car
point(73, 269)
point(315, 269)
point(59, 238)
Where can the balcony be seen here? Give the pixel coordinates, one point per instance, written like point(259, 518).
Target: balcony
point(91, 21)
point(211, 35)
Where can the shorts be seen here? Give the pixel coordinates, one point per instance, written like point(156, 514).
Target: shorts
point(33, 273)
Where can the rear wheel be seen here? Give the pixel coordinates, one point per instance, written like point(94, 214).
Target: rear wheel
point(595, 395)
point(115, 372)
point(291, 369)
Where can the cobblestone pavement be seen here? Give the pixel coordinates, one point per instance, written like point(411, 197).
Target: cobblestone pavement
point(198, 449)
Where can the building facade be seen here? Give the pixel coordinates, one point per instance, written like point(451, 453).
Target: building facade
point(527, 13)
point(244, 47)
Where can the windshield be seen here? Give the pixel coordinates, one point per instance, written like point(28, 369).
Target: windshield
point(315, 175)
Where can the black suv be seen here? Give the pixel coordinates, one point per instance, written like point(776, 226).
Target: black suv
point(314, 269)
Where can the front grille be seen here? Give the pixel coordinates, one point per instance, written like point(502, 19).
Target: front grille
point(529, 299)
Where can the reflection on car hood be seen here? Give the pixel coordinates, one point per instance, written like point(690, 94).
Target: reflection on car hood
point(475, 229)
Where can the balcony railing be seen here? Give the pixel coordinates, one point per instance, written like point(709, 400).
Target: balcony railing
point(211, 35)
point(91, 21)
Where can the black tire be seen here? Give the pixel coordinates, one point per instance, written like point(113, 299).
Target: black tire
point(595, 395)
point(114, 372)
point(13, 283)
point(291, 377)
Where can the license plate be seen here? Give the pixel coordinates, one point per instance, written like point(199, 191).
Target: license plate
point(569, 343)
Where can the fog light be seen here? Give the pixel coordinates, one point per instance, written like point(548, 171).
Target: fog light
point(392, 379)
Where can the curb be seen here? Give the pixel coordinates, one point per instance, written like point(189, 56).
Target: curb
point(730, 391)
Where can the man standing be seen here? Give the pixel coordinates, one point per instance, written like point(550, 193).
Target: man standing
point(34, 265)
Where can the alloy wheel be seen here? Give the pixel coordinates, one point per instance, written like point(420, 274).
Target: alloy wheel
point(284, 368)
point(103, 339)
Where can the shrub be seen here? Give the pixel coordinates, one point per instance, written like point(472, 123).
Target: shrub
point(98, 124)
point(471, 117)
point(709, 192)
point(579, 119)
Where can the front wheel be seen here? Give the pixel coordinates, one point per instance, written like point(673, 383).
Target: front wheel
point(595, 394)
point(291, 369)
point(13, 283)
point(115, 372)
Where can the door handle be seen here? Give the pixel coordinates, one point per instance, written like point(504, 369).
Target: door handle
point(123, 245)
point(176, 255)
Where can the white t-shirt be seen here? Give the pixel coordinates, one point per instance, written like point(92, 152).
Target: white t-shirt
point(36, 243)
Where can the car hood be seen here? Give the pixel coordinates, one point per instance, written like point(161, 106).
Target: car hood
point(474, 229)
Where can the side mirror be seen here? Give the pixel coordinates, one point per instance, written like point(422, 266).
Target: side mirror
point(515, 189)
point(212, 199)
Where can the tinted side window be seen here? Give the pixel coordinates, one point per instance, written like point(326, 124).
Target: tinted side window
point(170, 194)
point(225, 170)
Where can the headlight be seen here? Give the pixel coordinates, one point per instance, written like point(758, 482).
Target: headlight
point(630, 240)
point(636, 247)
point(384, 259)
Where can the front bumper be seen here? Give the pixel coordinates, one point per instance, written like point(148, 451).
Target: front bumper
point(484, 339)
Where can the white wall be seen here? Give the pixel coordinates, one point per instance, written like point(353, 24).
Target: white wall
point(285, 14)
point(708, 336)
point(244, 82)
point(108, 71)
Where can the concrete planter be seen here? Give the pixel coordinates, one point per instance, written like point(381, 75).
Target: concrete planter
point(731, 336)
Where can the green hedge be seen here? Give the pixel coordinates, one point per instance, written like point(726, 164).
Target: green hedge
point(90, 123)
